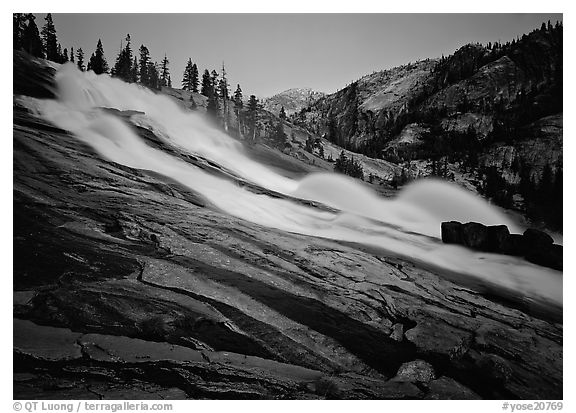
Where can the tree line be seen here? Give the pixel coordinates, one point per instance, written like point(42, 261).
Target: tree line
point(138, 67)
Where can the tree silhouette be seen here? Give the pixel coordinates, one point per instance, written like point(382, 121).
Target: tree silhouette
point(145, 66)
point(49, 39)
point(31, 41)
point(165, 71)
point(194, 78)
point(80, 59)
point(99, 64)
point(123, 65)
point(252, 117)
point(206, 89)
point(187, 77)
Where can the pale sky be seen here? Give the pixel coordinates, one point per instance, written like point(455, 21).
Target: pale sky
point(269, 53)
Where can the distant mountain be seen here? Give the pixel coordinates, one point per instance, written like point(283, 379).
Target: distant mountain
point(465, 109)
point(293, 100)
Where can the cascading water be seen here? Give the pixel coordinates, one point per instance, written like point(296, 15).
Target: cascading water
point(408, 225)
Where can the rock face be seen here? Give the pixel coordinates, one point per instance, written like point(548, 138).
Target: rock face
point(417, 371)
point(128, 285)
point(535, 245)
point(292, 100)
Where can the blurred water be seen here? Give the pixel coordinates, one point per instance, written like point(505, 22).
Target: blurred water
point(408, 225)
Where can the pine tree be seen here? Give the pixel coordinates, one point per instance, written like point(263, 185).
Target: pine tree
point(223, 85)
point(31, 41)
point(279, 136)
point(282, 113)
point(154, 77)
point(194, 78)
point(59, 53)
point(206, 89)
point(165, 72)
point(49, 39)
point(123, 65)
point(238, 104)
point(72, 54)
point(134, 71)
point(65, 56)
point(213, 107)
point(169, 81)
point(187, 77)
point(144, 66)
point(252, 116)
point(97, 61)
point(80, 59)
point(214, 81)
point(18, 27)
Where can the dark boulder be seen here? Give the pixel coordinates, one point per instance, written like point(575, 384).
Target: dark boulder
point(452, 233)
point(514, 245)
point(548, 256)
point(498, 238)
point(475, 236)
point(535, 238)
point(534, 245)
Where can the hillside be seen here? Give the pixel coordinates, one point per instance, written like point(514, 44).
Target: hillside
point(462, 109)
point(292, 100)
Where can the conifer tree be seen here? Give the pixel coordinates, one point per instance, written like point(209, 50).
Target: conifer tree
point(97, 61)
point(187, 77)
point(194, 78)
point(282, 113)
point(134, 71)
point(80, 59)
point(279, 136)
point(154, 77)
point(123, 65)
point(213, 107)
point(49, 39)
point(214, 81)
point(65, 56)
point(144, 66)
point(206, 89)
point(72, 54)
point(18, 27)
point(59, 53)
point(165, 72)
point(252, 117)
point(238, 104)
point(31, 41)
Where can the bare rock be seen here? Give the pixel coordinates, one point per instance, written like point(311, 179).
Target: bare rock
point(452, 232)
point(397, 332)
point(446, 388)
point(417, 371)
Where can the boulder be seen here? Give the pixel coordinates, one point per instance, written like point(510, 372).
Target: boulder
point(452, 232)
point(536, 238)
point(498, 238)
point(475, 235)
point(417, 371)
point(397, 332)
point(514, 245)
point(546, 255)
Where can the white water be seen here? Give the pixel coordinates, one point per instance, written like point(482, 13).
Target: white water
point(408, 225)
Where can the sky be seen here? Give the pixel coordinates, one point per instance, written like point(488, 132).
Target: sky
point(269, 53)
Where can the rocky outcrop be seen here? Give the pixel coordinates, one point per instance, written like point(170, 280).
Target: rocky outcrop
point(292, 100)
point(535, 245)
